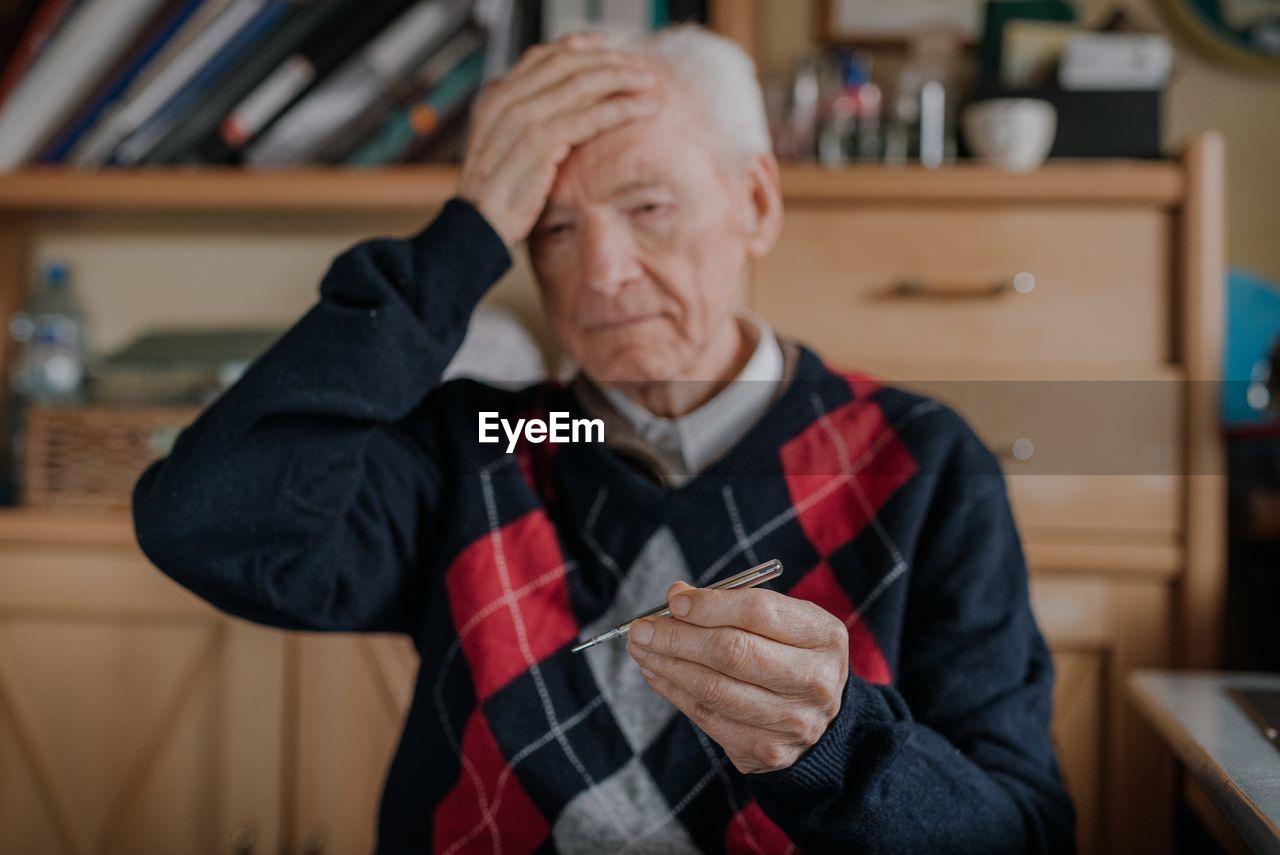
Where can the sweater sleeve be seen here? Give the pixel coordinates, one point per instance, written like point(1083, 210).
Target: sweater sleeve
point(302, 497)
point(957, 755)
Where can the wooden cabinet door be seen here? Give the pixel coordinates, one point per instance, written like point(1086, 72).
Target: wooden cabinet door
point(1101, 626)
point(1078, 694)
point(353, 693)
point(133, 718)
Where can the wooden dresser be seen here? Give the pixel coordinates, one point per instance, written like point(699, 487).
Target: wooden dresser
point(135, 718)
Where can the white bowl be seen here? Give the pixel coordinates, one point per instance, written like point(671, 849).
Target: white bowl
point(1012, 133)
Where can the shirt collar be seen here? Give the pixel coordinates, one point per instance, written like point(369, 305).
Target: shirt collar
point(687, 444)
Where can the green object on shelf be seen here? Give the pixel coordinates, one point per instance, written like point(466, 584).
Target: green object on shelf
point(1001, 12)
point(178, 365)
point(173, 347)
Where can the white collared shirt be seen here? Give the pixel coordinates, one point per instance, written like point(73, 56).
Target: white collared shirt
point(688, 444)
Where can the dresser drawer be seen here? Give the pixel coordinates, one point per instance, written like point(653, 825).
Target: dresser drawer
point(1053, 507)
point(1060, 284)
point(1080, 456)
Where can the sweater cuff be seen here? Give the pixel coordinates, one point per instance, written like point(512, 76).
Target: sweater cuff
point(819, 773)
point(461, 239)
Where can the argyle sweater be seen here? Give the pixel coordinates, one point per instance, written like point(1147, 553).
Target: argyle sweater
point(340, 486)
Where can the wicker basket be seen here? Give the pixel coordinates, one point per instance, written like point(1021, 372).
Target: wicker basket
point(89, 457)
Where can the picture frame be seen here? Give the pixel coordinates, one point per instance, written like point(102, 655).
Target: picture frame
point(893, 22)
point(1240, 34)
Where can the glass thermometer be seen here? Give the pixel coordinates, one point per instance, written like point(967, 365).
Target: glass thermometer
point(746, 579)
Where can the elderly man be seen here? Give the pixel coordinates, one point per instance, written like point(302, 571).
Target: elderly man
point(890, 692)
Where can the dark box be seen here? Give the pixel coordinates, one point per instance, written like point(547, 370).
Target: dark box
point(1097, 123)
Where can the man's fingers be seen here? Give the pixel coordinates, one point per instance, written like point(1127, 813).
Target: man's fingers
point(751, 658)
point(586, 88)
point(538, 54)
point(511, 111)
point(519, 139)
point(789, 620)
point(557, 106)
point(552, 139)
point(554, 70)
point(551, 68)
point(568, 66)
point(742, 742)
point(738, 700)
point(580, 126)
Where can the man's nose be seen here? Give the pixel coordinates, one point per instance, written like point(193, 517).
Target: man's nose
point(608, 258)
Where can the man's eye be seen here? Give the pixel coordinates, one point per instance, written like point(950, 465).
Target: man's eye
point(648, 210)
point(555, 229)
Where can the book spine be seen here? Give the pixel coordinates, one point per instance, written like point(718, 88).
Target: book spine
point(311, 124)
point(266, 100)
point(15, 16)
point(63, 143)
point(138, 146)
point(207, 12)
point(43, 25)
point(419, 120)
point(566, 16)
point(294, 77)
point(679, 11)
point(97, 147)
point(302, 21)
point(89, 42)
point(661, 15)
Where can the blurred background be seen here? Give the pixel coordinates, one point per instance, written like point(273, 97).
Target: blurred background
point(1057, 216)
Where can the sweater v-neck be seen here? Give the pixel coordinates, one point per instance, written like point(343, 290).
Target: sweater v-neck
point(753, 452)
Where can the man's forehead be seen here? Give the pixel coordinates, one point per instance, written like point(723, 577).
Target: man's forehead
point(608, 187)
point(641, 155)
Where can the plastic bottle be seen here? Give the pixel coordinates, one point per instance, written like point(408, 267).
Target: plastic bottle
point(923, 119)
point(50, 354)
point(850, 130)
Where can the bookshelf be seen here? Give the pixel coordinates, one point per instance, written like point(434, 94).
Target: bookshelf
point(410, 189)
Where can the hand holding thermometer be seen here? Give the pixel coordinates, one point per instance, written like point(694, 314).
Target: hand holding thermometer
point(746, 579)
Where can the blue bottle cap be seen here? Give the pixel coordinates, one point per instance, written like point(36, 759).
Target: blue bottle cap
point(56, 274)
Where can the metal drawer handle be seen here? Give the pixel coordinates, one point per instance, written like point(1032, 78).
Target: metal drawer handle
point(1022, 283)
point(1018, 451)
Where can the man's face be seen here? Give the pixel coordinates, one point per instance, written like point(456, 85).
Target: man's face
point(641, 250)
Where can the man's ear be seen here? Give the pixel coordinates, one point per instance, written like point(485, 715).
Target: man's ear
point(764, 188)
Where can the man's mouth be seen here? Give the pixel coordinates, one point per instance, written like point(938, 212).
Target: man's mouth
point(620, 323)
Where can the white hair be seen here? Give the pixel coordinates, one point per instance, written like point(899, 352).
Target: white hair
point(717, 73)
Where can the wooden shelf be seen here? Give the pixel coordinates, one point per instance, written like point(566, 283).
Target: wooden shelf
point(211, 190)
point(1133, 181)
point(64, 528)
point(412, 188)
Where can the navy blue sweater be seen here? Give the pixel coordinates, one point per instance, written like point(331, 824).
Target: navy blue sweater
point(340, 486)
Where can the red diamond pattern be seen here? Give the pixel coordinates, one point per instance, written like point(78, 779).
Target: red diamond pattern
point(493, 645)
point(819, 586)
point(461, 824)
point(751, 832)
point(829, 508)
